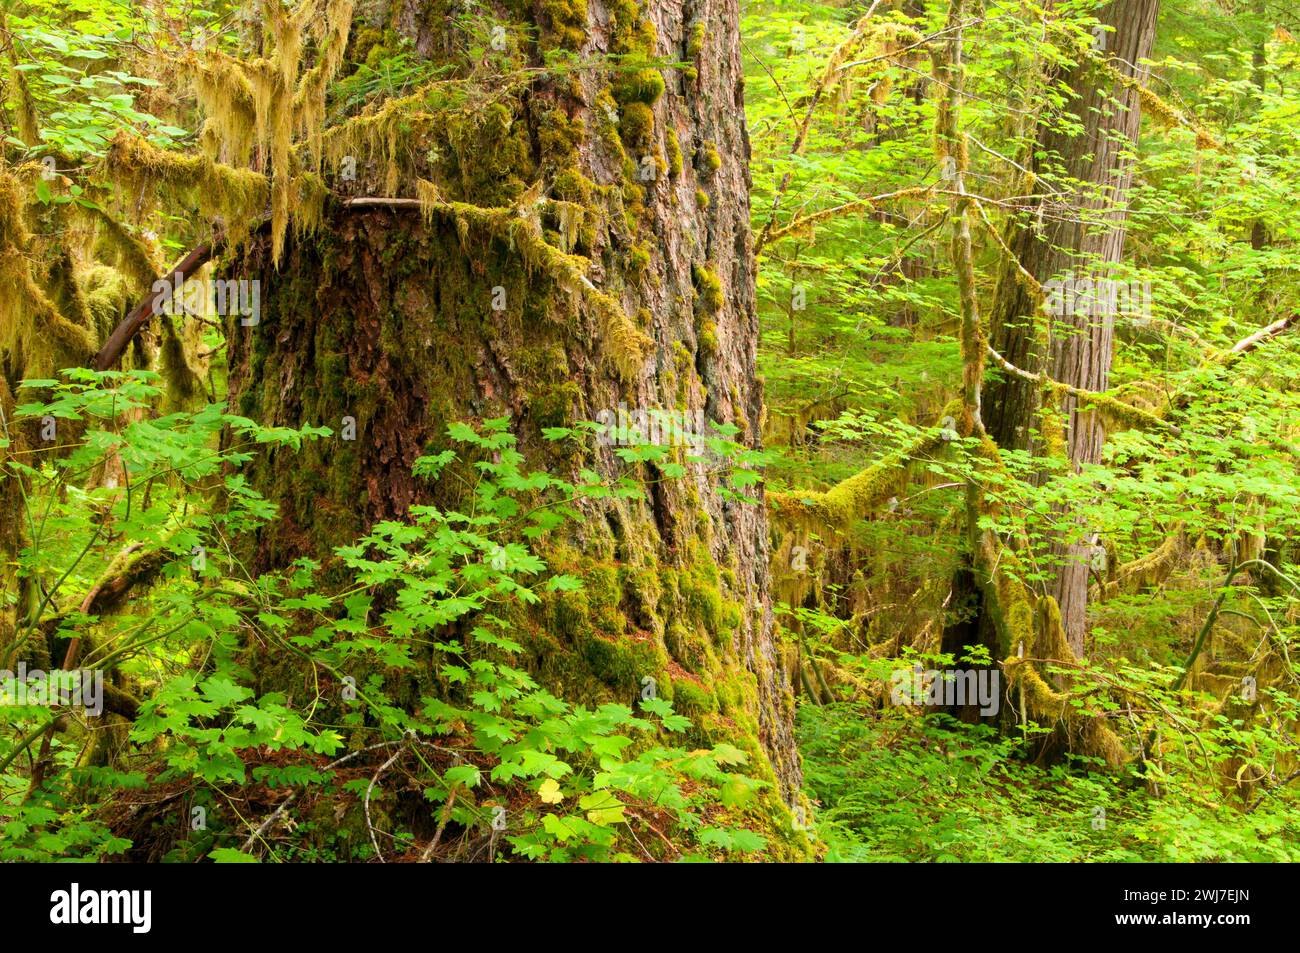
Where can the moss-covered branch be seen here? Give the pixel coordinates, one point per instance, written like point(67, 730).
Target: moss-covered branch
point(804, 222)
point(856, 497)
point(1114, 409)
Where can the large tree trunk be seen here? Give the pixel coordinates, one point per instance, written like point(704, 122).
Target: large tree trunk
point(387, 317)
point(1081, 233)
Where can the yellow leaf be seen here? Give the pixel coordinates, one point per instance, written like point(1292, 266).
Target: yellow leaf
point(550, 791)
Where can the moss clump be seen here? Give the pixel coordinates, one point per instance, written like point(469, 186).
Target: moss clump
point(709, 338)
point(693, 699)
point(568, 21)
point(691, 647)
point(624, 344)
point(238, 195)
point(364, 42)
point(554, 405)
point(633, 204)
point(636, 125)
point(632, 33)
point(674, 153)
point(137, 259)
point(638, 259)
point(585, 645)
point(570, 185)
point(701, 199)
point(493, 156)
point(623, 664)
point(708, 157)
point(559, 137)
point(108, 295)
point(708, 289)
point(700, 595)
point(183, 383)
point(639, 86)
point(695, 39)
point(376, 55)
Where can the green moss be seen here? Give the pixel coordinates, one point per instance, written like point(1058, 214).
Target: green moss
point(674, 153)
point(709, 338)
point(568, 21)
point(708, 157)
point(632, 33)
point(633, 203)
point(693, 699)
point(690, 647)
point(636, 126)
point(556, 405)
point(643, 591)
point(695, 39)
point(639, 86)
point(708, 289)
point(570, 185)
point(638, 259)
point(492, 156)
point(559, 137)
point(363, 39)
point(853, 498)
point(376, 54)
point(701, 199)
point(108, 295)
point(701, 598)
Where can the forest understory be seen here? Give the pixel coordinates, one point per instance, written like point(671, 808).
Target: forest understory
point(648, 431)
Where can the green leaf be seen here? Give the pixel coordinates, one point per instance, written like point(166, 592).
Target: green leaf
point(466, 774)
point(228, 855)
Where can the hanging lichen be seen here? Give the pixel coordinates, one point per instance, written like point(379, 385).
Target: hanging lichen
point(34, 334)
point(28, 122)
point(268, 105)
point(237, 196)
point(108, 296)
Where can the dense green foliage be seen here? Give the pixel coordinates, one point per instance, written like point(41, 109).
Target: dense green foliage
point(859, 309)
point(363, 705)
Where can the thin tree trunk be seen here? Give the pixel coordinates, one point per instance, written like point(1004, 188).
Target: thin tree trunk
point(1080, 234)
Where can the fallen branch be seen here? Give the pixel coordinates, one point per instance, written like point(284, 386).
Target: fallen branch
point(369, 789)
point(284, 805)
point(117, 342)
point(1250, 342)
point(442, 824)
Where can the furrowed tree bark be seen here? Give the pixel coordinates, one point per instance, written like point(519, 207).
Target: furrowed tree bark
point(1075, 348)
point(387, 316)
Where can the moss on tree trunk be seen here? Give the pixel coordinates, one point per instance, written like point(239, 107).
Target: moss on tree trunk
point(406, 322)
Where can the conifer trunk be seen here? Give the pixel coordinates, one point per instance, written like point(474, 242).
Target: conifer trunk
point(1079, 346)
point(388, 317)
